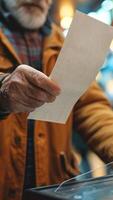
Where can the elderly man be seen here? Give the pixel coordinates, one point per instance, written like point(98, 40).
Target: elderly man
point(36, 153)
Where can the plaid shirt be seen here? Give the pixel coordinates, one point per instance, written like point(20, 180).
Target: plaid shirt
point(28, 46)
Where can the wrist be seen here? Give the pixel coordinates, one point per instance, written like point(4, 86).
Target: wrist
point(4, 111)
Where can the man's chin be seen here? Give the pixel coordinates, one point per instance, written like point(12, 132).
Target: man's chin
point(31, 22)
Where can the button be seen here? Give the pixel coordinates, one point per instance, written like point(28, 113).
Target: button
point(17, 140)
point(12, 192)
point(40, 135)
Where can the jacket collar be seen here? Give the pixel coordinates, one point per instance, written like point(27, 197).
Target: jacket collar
point(9, 46)
point(53, 41)
point(11, 49)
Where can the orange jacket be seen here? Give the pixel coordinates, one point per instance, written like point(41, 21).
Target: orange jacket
point(51, 140)
point(93, 119)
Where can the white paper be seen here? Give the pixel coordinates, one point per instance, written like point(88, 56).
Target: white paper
point(83, 52)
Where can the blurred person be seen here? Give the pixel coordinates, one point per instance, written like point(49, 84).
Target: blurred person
point(87, 6)
point(36, 153)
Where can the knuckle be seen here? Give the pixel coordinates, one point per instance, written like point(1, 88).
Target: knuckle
point(12, 89)
point(39, 78)
point(22, 70)
point(20, 74)
point(13, 84)
point(21, 67)
point(42, 96)
point(15, 89)
point(34, 76)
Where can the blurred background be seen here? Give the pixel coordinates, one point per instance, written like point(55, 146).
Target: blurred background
point(62, 12)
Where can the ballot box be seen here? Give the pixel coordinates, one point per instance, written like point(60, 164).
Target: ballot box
point(91, 189)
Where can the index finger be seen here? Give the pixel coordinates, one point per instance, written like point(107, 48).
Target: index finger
point(49, 85)
point(40, 80)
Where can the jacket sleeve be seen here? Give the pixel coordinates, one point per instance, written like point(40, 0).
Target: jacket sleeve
point(93, 117)
point(6, 67)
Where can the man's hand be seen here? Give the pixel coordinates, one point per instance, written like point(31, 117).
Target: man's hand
point(26, 88)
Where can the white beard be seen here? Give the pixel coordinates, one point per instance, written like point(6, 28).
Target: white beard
point(26, 20)
point(30, 20)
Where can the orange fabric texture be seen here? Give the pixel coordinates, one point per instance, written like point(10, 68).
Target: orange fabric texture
point(51, 140)
point(93, 118)
point(94, 121)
